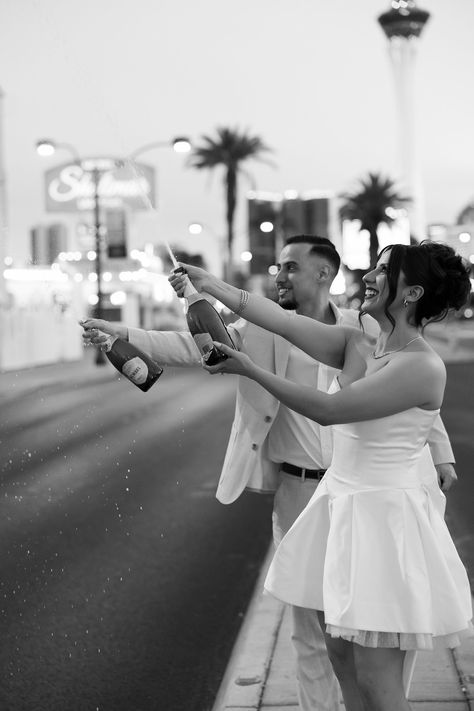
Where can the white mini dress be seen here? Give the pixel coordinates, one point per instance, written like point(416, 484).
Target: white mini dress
point(371, 549)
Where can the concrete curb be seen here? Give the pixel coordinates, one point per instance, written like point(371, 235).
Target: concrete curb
point(246, 676)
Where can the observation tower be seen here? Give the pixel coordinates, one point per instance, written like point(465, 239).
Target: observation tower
point(403, 24)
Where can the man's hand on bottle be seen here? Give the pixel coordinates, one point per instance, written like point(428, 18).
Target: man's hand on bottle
point(97, 331)
point(178, 278)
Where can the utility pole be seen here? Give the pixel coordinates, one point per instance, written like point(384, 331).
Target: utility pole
point(100, 358)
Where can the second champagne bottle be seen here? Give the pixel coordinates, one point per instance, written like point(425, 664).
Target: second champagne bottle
point(205, 325)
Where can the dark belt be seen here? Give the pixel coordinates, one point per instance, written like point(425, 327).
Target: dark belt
point(302, 472)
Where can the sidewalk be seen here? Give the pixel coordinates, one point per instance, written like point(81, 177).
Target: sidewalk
point(261, 672)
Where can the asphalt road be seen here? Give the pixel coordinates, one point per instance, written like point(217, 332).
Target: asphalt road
point(123, 580)
point(457, 413)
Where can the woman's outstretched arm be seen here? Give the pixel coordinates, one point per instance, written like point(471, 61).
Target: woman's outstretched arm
point(324, 343)
point(410, 380)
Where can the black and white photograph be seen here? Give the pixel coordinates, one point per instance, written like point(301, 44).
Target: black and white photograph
point(236, 355)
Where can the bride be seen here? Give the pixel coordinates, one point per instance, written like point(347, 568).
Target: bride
point(370, 552)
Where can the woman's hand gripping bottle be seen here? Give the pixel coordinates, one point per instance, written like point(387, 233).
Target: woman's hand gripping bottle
point(205, 325)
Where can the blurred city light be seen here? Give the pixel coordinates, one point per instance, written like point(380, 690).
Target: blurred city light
point(35, 274)
point(181, 145)
point(273, 270)
point(246, 256)
point(338, 286)
point(195, 228)
point(266, 227)
point(45, 148)
point(464, 237)
point(118, 298)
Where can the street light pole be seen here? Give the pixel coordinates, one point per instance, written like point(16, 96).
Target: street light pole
point(96, 175)
point(47, 147)
point(100, 358)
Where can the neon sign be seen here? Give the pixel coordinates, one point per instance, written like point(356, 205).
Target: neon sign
point(71, 187)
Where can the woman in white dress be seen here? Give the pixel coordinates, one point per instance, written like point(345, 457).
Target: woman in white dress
point(370, 552)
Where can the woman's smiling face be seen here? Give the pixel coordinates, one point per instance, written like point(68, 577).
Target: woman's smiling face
point(377, 287)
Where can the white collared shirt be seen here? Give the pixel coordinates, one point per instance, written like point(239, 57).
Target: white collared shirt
point(294, 438)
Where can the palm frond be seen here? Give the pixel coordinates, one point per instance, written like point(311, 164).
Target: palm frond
point(229, 147)
point(370, 203)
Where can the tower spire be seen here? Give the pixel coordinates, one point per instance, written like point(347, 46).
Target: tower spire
point(404, 19)
point(403, 24)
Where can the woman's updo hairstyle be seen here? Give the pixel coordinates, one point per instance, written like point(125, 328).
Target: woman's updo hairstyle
point(438, 269)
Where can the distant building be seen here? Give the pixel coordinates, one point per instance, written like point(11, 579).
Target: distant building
point(272, 217)
point(460, 237)
point(47, 242)
point(116, 233)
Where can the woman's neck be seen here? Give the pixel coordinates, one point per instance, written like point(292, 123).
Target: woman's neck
point(393, 338)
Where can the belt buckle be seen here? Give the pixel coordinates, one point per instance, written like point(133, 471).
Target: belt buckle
point(303, 473)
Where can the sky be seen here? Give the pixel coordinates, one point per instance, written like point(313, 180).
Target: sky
point(312, 78)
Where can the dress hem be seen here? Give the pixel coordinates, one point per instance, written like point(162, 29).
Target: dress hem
point(401, 640)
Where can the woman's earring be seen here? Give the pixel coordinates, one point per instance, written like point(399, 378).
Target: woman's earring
point(405, 303)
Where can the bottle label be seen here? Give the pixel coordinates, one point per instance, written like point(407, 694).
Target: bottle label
point(136, 370)
point(203, 342)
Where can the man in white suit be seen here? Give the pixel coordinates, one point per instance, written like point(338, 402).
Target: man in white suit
point(272, 448)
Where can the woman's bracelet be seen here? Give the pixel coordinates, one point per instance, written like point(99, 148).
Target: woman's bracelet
point(244, 297)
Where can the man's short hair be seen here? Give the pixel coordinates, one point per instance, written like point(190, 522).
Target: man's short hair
point(321, 246)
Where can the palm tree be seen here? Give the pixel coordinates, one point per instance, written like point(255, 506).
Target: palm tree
point(230, 148)
point(372, 204)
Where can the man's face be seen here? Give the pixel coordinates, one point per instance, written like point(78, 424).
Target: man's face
point(296, 280)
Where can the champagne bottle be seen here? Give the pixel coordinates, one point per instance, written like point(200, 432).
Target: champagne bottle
point(129, 360)
point(205, 325)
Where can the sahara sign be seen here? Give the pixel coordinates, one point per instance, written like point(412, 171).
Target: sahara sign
point(71, 187)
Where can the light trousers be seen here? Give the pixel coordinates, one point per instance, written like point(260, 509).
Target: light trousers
point(317, 686)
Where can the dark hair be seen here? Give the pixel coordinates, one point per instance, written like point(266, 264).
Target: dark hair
point(320, 246)
point(438, 269)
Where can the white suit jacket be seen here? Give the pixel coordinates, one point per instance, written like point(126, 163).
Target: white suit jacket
point(246, 463)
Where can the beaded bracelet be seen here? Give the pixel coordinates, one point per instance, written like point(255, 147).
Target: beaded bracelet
point(244, 297)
